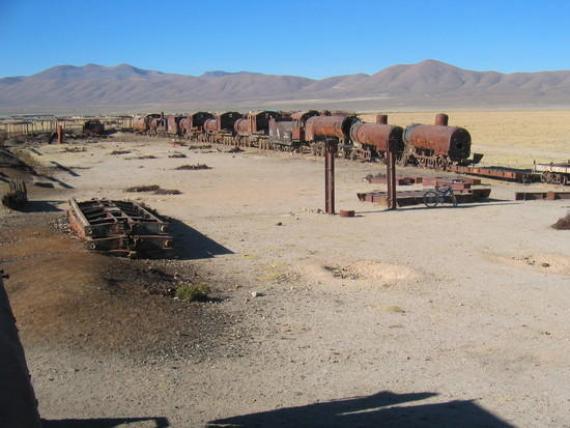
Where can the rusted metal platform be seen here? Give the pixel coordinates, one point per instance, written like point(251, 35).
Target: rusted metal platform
point(122, 228)
point(547, 196)
point(498, 172)
point(416, 197)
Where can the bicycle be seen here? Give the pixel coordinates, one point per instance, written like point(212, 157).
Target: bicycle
point(432, 198)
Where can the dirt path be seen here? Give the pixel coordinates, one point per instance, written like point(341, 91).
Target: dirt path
point(443, 317)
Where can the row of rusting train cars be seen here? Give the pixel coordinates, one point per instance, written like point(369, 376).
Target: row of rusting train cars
point(432, 146)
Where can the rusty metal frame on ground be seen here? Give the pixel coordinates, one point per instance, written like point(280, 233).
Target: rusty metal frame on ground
point(123, 228)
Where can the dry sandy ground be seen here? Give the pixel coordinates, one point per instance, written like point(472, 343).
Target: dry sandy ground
point(443, 317)
point(508, 138)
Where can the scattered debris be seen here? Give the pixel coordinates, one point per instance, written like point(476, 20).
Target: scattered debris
point(563, 223)
point(193, 167)
point(279, 223)
point(122, 228)
point(17, 195)
point(120, 152)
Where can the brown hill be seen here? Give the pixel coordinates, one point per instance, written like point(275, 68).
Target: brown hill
point(428, 84)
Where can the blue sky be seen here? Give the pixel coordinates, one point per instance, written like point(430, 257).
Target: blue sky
point(300, 37)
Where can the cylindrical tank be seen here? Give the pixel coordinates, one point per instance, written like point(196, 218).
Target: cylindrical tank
point(378, 135)
point(185, 125)
point(452, 142)
point(320, 127)
point(211, 126)
point(242, 127)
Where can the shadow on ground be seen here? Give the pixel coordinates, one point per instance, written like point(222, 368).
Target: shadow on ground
point(159, 422)
point(189, 244)
point(378, 410)
point(40, 207)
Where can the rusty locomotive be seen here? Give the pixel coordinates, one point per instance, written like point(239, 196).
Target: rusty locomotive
point(431, 146)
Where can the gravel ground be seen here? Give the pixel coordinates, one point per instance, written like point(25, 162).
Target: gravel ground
point(443, 317)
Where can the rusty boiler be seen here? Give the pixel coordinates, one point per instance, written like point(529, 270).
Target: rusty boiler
point(439, 139)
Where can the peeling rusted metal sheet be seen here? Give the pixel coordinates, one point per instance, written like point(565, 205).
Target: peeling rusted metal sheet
point(121, 228)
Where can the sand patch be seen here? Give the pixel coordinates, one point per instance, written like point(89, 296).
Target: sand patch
point(546, 263)
point(362, 270)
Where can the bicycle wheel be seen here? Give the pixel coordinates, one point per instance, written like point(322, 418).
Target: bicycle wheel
point(431, 199)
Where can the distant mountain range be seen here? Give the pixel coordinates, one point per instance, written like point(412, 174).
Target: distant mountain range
point(428, 84)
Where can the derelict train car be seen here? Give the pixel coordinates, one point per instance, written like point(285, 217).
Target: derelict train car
point(372, 140)
point(288, 133)
point(438, 145)
point(141, 124)
point(253, 129)
point(320, 128)
point(192, 126)
point(220, 128)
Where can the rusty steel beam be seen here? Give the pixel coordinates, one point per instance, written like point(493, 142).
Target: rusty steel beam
point(59, 133)
point(391, 176)
point(331, 147)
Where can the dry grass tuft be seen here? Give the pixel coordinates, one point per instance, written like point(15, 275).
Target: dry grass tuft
point(192, 167)
point(563, 223)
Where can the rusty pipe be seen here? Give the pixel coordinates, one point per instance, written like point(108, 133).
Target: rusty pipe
point(382, 119)
point(441, 119)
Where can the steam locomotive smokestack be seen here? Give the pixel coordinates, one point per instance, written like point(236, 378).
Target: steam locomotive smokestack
point(441, 119)
point(382, 119)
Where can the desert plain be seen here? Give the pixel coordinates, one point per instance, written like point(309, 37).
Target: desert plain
point(440, 317)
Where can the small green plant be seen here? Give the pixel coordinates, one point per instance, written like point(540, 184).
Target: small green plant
point(193, 292)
